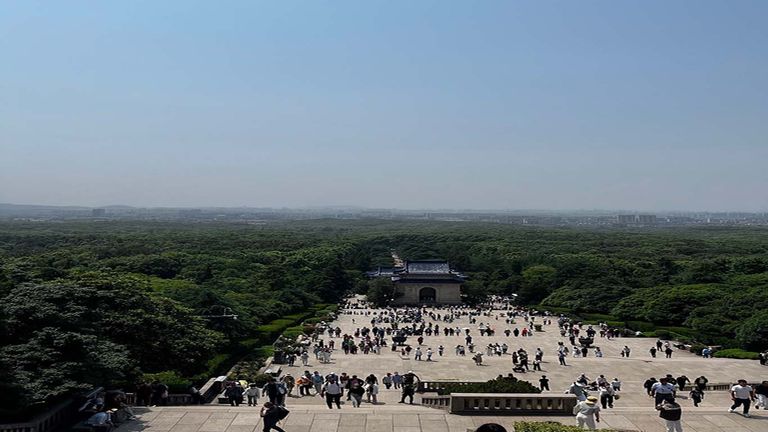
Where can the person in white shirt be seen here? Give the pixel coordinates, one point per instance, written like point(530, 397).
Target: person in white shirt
point(606, 395)
point(371, 392)
point(577, 390)
point(662, 390)
point(742, 395)
point(587, 413)
point(616, 384)
point(332, 392)
point(253, 394)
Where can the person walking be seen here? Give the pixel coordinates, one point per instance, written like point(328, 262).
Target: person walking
point(355, 390)
point(606, 395)
point(271, 390)
point(662, 390)
point(331, 391)
point(387, 380)
point(761, 392)
point(371, 392)
point(696, 396)
point(587, 413)
point(271, 414)
point(544, 383)
point(668, 352)
point(410, 381)
point(577, 390)
point(397, 380)
point(701, 383)
point(616, 384)
point(648, 385)
point(252, 393)
point(742, 394)
point(234, 395)
point(671, 412)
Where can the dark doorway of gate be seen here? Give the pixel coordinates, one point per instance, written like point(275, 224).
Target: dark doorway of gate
point(427, 295)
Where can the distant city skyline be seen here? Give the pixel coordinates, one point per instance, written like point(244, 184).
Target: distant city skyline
point(495, 105)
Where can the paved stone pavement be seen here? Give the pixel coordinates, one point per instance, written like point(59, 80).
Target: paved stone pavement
point(634, 411)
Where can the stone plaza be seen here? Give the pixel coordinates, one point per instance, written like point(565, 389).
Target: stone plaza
point(634, 411)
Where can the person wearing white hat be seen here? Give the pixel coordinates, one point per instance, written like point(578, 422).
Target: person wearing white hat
point(587, 413)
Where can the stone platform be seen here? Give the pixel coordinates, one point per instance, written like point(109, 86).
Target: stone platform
point(634, 411)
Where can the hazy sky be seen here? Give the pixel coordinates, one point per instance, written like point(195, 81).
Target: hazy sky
point(412, 104)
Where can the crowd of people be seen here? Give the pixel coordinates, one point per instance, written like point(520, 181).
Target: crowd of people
point(411, 331)
point(105, 410)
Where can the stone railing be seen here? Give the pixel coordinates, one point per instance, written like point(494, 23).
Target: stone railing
point(719, 386)
point(173, 399)
point(58, 416)
point(439, 402)
point(511, 404)
point(212, 388)
point(433, 386)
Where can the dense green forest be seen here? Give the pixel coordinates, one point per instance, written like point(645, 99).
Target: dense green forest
point(88, 303)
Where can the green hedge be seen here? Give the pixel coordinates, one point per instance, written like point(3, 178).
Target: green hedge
point(498, 385)
point(525, 426)
point(597, 317)
point(736, 353)
point(277, 325)
point(264, 352)
point(175, 383)
point(642, 326)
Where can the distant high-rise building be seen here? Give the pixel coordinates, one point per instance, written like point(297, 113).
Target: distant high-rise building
point(98, 212)
point(626, 219)
point(646, 219)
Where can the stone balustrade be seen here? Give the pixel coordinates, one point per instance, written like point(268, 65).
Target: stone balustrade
point(433, 386)
point(54, 418)
point(503, 403)
point(173, 399)
point(439, 402)
point(719, 386)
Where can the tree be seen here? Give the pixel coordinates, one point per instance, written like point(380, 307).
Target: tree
point(538, 282)
point(380, 291)
point(61, 337)
point(752, 334)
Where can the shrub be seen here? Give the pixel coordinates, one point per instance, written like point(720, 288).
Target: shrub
point(696, 348)
point(663, 334)
point(525, 426)
point(736, 353)
point(498, 385)
point(277, 325)
point(597, 317)
point(293, 332)
point(175, 383)
point(264, 352)
point(642, 326)
point(261, 379)
point(246, 370)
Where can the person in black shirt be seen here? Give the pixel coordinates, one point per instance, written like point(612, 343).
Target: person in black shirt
point(544, 383)
point(272, 391)
point(271, 415)
point(410, 380)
